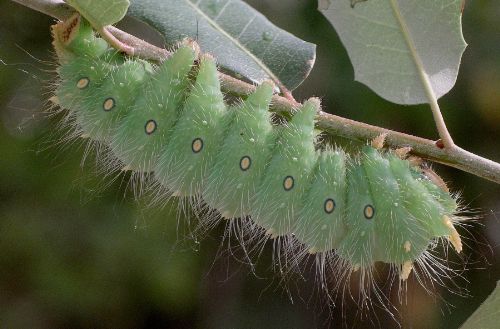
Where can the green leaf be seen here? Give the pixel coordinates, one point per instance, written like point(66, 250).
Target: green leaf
point(487, 316)
point(242, 39)
point(402, 50)
point(101, 12)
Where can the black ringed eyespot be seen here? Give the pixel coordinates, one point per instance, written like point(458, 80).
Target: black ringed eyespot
point(82, 83)
point(197, 145)
point(288, 183)
point(150, 127)
point(245, 163)
point(369, 211)
point(329, 205)
point(109, 104)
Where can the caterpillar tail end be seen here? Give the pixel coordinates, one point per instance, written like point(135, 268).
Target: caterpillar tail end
point(454, 237)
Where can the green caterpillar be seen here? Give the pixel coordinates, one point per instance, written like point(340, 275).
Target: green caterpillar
point(171, 120)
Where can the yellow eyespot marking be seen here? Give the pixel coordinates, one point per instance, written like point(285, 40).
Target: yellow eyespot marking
point(454, 237)
point(82, 83)
point(270, 232)
point(245, 163)
point(288, 183)
point(329, 206)
point(150, 127)
point(406, 270)
point(226, 215)
point(127, 168)
point(369, 211)
point(108, 104)
point(197, 145)
point(407, 246)
point(313, 250)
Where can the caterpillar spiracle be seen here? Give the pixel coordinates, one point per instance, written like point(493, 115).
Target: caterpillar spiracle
point(171, 120)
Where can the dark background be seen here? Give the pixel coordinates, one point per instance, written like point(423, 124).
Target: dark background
point(76, 255)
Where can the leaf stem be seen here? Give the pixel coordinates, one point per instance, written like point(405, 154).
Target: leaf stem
point(451, 155)
point(431, 96)
point(114, 42)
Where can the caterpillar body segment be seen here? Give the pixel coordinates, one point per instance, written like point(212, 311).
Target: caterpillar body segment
point(92, 61)
point(113, 100)
point(391, 205)
point(172, 120)
point(243, 157)
point(138, 137)
point(321, 225)
point(191, 151)
point(287, 175)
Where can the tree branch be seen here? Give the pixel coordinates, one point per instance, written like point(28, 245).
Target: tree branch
point(452, 156)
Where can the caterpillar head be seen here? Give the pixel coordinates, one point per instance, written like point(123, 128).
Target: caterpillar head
point(75, 37)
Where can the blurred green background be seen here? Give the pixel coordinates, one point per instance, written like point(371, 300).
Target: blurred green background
point(76, 255)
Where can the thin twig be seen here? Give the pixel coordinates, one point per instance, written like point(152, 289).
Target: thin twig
point(451, 155)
